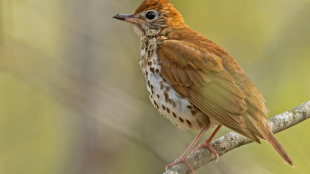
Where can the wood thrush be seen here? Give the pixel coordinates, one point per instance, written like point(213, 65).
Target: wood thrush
point(194, 82)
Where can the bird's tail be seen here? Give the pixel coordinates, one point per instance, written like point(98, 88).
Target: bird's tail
point(265, 132)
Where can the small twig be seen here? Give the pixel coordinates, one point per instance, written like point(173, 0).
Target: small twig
point(233, 140)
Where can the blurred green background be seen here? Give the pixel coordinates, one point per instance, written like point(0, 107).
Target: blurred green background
point(73, 98)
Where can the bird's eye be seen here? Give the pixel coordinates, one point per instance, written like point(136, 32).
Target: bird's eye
point(150, 15)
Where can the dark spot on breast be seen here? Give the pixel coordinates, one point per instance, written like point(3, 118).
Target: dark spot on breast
point(164, 107)
point(152, 70)
point(193, 112)
point(156, 104)
point(157, 70)
point(174, 115)
point(158, 96)
point(149, 52)
point(174, 104)
point(181, 119)
point(148, 83)
point(146, 73)
point(189, 123)
point(149, 63)
point(190, 107)
point(166, 95)
point(168, 110)
point(161, 86)
point(152, 91)
point(154, 61)
point(168, 88)
point(171, 101)
point(176, 125)
point(152, 87)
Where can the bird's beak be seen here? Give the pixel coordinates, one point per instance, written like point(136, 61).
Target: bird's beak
point(127, 18)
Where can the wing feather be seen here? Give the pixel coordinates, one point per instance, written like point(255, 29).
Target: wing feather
point(192, 75)
point(169, 73)
point(175, 73)
point(218, 96)
point(184, 77)
point(234, 122)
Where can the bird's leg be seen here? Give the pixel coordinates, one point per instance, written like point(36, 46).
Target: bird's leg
point(183, 158)
point(207, 143)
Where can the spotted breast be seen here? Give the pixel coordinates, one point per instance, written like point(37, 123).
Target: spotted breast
point(168, 102)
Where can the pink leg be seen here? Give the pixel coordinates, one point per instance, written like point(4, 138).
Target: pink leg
point(207, 143)
point(183, 158)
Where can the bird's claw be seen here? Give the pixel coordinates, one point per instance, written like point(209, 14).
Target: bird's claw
point(207, 144)
point(179, 160)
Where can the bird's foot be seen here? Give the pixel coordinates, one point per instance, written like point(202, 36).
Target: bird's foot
point(183, 158)
point(207, 144)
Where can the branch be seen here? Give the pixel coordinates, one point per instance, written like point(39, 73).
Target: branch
point(233, 140)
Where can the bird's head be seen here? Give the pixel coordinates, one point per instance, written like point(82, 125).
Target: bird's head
point(153, 18)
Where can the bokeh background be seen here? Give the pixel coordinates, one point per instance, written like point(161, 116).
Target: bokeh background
point(73, 98)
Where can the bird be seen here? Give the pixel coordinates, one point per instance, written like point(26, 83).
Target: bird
point(194, 82)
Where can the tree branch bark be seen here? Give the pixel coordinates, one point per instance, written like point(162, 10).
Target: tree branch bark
point(233, 140)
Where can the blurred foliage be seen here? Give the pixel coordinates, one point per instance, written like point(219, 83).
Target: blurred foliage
point(73, 98)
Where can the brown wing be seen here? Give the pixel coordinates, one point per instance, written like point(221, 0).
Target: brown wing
point(201, 77)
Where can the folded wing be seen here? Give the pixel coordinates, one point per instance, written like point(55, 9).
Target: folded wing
point(201, 77)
